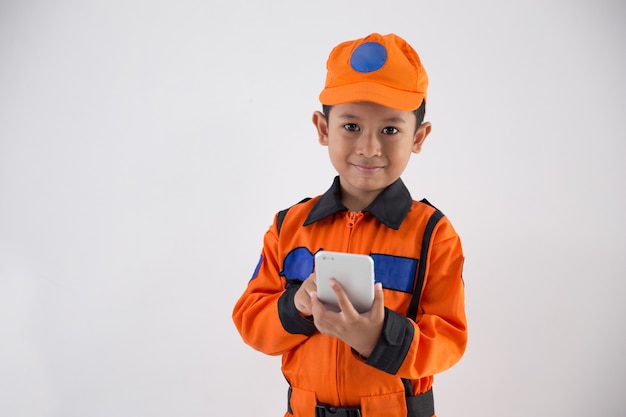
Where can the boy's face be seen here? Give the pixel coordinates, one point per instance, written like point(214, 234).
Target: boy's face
point(369, 146)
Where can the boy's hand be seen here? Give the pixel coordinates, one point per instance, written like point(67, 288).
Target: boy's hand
point(360, 331)
point(302, 299)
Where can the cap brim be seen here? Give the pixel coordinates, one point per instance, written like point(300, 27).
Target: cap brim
point(376, 93)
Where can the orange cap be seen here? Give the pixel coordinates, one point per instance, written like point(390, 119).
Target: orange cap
point(381, 69)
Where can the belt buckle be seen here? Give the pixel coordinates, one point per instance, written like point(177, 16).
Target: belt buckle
point(322, 410)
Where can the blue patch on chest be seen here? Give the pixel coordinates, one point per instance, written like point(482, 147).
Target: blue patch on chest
point(395, 272)
point(298, 264)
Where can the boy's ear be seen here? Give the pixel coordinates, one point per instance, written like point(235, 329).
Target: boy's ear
point(319, 120)
point(420, 136)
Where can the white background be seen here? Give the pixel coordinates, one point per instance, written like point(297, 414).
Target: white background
point(146, 145)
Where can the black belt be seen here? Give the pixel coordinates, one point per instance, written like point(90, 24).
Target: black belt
point(422, 405)
point(322, 410)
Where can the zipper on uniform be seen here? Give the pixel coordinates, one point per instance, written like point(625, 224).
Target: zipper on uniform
point(352, 219)
point(342, 355)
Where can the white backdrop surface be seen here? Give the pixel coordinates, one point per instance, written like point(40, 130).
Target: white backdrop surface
point(145, 147)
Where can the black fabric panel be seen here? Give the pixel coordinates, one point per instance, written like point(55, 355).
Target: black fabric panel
point(421, 267)
point(281, 214)
point(394, 343)
point(291, 319)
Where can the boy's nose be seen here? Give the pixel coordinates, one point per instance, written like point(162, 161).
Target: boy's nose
point(368, 145)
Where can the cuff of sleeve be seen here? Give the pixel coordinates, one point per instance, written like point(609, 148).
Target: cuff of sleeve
point(394, 343)
point(291, 319)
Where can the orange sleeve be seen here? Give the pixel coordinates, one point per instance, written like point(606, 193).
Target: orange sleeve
point(265, 314)
point(438, 337)
point(441, 325)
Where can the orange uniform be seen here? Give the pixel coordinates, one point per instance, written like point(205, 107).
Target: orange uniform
point(414, 345)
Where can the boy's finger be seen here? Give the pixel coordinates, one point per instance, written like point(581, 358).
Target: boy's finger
point(379, 296)
point(342, 298)
point(315, 302)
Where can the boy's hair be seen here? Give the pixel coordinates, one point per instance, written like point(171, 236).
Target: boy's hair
point(419, 113)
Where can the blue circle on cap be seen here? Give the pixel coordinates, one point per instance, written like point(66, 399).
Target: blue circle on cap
point(368, 57)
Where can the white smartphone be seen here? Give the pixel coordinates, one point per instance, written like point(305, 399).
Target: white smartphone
point(354, 272)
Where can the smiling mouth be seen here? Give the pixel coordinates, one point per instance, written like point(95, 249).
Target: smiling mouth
point(368, 169)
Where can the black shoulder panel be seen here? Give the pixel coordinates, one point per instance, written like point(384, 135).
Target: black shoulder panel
point(423, 200)
point(281, 214)
point(421, 267)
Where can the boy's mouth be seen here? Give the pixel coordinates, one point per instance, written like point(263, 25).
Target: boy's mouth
point(368, 169)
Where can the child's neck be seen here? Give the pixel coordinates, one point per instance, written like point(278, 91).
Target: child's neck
point(356, 199)
point(356, 203)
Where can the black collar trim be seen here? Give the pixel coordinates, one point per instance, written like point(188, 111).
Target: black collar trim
point(390, 207)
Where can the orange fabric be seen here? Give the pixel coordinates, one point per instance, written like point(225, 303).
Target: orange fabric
point(324, 369)
point(381, 69)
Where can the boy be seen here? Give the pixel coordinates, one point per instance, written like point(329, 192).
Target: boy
point(379, 363)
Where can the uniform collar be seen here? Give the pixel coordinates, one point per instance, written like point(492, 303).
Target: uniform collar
point(390, 207)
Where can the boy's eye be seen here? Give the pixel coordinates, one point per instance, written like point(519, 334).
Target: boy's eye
point(352, 127)
point(390, 130)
